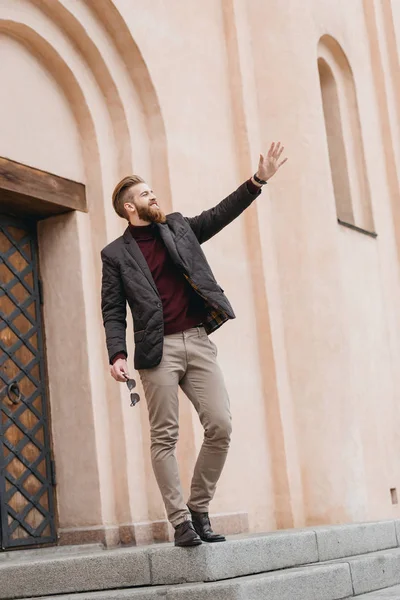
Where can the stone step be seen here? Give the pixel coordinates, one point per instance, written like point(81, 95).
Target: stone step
point(164, 565)
point(375, 571)
point(336, 580)
point(325, 582)
point(392, 593)
point(341, 541)
point(155, 565)
point(42, 553)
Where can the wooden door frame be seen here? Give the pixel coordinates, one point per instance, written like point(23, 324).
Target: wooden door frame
point(31, 194)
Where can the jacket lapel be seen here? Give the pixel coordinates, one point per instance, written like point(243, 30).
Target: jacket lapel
point(169, 242)
point(136, 253)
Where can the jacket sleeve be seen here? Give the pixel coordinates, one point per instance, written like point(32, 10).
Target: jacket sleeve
point(210, 222)
point(113, 307)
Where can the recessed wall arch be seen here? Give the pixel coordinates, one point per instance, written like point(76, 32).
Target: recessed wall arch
point(77, 33)
point(106, 14)
point(344, 136)
point(112, 20)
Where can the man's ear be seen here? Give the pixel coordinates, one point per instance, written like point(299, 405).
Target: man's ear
point(129, 207)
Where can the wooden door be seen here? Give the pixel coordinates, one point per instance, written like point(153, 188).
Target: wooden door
point(26, 469)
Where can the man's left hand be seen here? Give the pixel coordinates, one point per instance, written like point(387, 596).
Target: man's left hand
point(270, 163)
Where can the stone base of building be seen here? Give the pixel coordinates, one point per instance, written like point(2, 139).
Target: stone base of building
point(145, 532)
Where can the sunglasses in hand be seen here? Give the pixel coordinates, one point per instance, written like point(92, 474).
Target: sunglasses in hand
point(131, 383)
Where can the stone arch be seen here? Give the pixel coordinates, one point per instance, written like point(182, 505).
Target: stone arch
point(103, 166)
point(63, 16)
point(344, 137)
point(113, 23)
point(135, 64)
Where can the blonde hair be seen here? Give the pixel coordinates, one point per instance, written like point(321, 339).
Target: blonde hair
point(120, 191)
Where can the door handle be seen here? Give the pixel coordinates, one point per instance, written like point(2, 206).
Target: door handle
point(14, 393)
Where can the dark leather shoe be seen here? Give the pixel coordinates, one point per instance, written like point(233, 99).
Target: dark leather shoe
point(185, 535)
point(202, 525)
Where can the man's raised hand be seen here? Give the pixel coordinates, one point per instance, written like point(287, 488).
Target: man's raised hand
point(270, 163)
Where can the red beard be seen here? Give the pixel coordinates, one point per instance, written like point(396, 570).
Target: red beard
point(151, 214)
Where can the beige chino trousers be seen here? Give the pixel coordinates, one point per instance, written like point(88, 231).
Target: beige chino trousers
point(189, 361)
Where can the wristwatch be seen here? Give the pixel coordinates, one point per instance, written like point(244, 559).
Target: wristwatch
point(260, 181)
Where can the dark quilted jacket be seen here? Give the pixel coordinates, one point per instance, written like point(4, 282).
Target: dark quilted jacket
point(127, 278)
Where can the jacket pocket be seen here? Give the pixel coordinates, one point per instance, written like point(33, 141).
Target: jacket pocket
point(139, 335)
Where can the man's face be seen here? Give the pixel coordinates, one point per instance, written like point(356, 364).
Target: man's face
point(141, 204)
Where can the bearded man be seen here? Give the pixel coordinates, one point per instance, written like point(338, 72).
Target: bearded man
point(160, 270)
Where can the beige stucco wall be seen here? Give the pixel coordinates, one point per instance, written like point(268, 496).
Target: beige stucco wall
point(92, 90)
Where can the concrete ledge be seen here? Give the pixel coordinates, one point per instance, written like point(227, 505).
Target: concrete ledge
point(149, 593)
point(236, 558)
point(49, 552)
point(319, 583)
point(349, 540)
point(221, 590)
point(329, 582)
point(100, 571)
point(375, 571)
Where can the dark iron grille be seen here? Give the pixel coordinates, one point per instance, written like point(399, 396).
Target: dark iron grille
point(26, 490)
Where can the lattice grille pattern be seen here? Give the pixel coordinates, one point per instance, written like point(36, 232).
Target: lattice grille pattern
point(26, 495)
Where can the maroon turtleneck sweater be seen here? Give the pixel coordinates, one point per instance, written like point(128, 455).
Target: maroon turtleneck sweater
point(182, 307)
